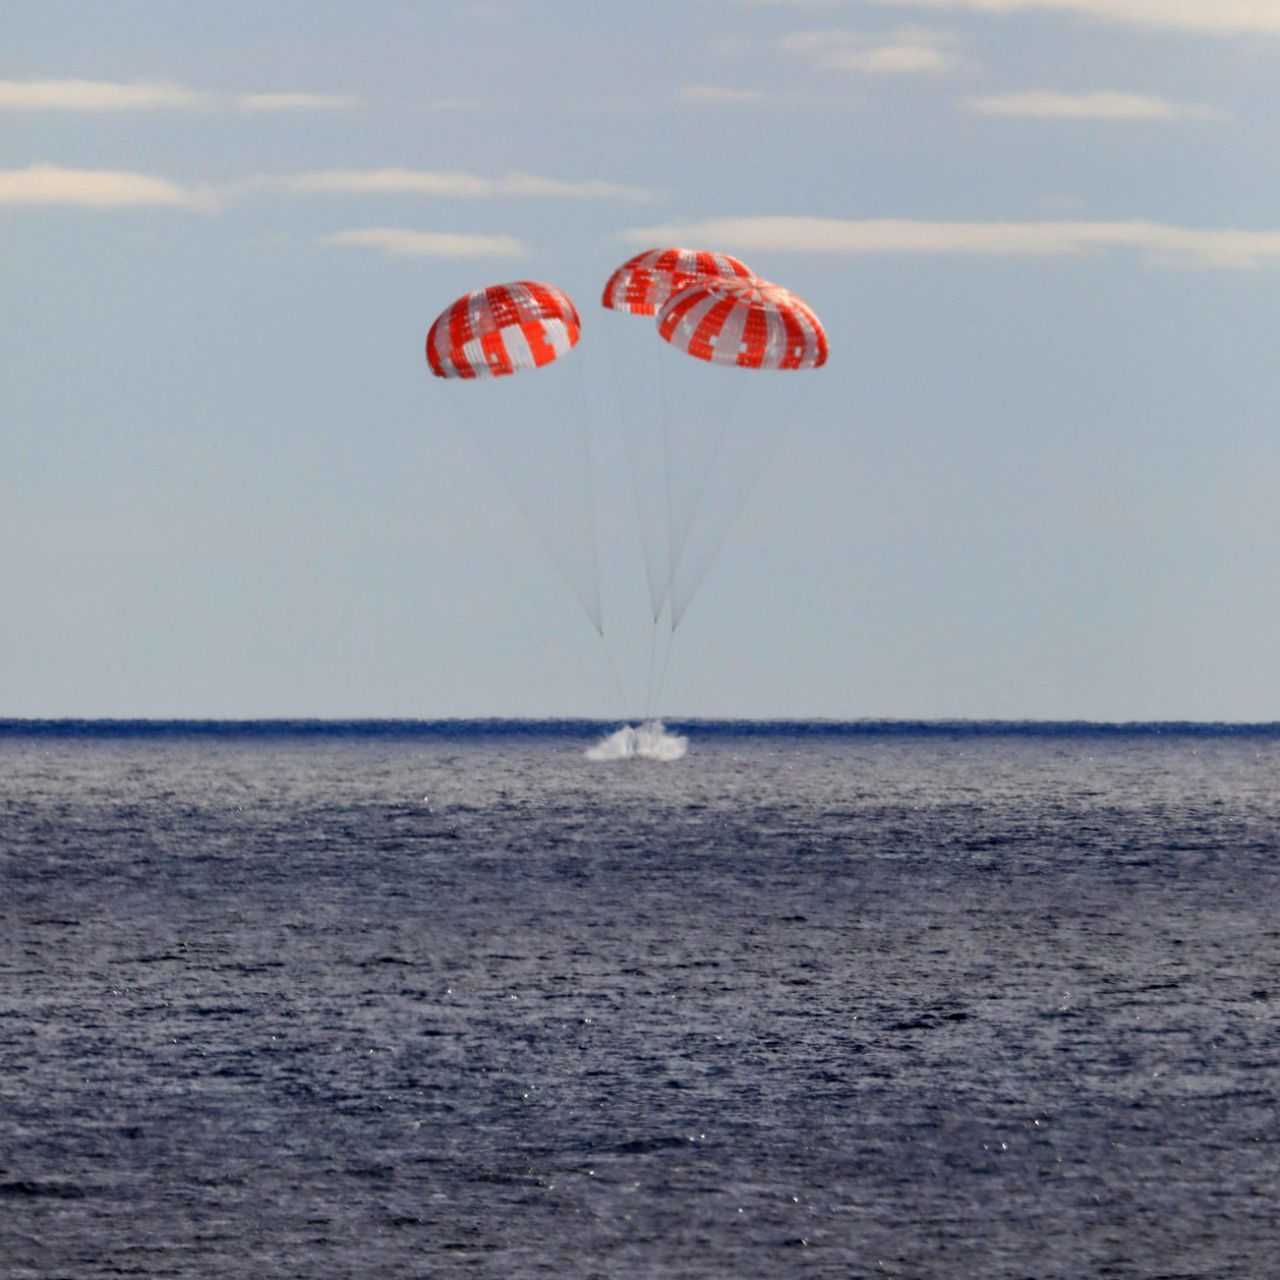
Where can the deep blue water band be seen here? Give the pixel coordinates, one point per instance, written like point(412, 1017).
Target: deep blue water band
point(73, 728)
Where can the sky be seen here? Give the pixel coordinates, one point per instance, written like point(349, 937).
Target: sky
point(1038, 477)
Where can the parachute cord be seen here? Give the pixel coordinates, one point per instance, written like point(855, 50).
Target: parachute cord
point(626, 416)
point(617, 679)
point(662, 674)
point(587, 462)
point(656, 375)
point(677, 614)
point(666, 496)
point(476, 435)
point(648, 689)
point(724, 417)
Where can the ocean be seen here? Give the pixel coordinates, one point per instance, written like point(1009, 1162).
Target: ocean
point(432, 1000)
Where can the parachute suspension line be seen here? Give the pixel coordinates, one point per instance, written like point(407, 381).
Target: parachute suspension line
point(473, 431)
point(724, 415)
point(586, 453)
point(648, 688)
point(641, 287)
point(659, 635)
point(588, 461)
point(656, 374)
point(747, 324)
point(603, 630)
point(668, 483)
point(627, 416)
point(678, 610)
point(617, 680)
point(669, 635)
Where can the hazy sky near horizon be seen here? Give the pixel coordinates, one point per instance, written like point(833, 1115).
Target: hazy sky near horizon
point(1038, 478)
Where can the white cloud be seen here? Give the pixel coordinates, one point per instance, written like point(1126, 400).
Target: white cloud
point(107, 95)
point(529, 184)
point(449, 183)
point(1160, 244)
point(296, 101)
point(429, 244)
point(720, 94)
point(891, 59)
point(1102, 104)
point(46, 184)
point(423, 182)
point(906, 51)
point(1212, 17)
point(96, 95)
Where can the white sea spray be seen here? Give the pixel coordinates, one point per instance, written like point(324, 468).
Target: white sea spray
point(647, 741)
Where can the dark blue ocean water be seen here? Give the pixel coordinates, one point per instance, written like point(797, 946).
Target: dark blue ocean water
point(848, 1001)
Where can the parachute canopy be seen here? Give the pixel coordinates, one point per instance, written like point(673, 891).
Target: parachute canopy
point(501, 330)
point(751, 324)
point(694, 445)
point(643, 283)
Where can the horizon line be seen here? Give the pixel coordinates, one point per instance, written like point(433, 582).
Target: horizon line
point(317, 726)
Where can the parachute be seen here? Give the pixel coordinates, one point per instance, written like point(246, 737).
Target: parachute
point(496, 331)
point(481, 340)
point(642, 285)
point(750, 324)
point(695, 445)
point(670, 458)
point(727, 340)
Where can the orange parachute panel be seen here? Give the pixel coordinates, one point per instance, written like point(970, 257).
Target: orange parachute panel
point(643, 283)
point(501, 330)
point(747, 324)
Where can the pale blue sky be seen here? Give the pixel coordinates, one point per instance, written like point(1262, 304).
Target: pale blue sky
point(1037, 479)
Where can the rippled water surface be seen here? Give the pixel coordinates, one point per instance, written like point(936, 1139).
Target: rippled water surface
point(427, 1003)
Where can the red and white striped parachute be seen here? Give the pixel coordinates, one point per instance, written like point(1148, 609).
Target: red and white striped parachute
point(749, 324)
point(501, 330)
point(695, 445)
point(643, 283)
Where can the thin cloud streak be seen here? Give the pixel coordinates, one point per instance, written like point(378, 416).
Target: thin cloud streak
point(105, 96)
point(97, 95)
point(1158, 243)
point(530, 184)
point(891, 60)
point(1209, 17)
point(297, 101)
point(721, 95)
point(907, 51)
point(1102, 104)
point(447, 183)
point(46, 184)
point(421, 182)
point(404, 243)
